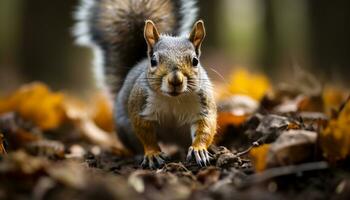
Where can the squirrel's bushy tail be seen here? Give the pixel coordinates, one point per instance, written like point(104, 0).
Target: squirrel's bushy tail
point(114, 30)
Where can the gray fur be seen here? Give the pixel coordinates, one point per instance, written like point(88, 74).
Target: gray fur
point(170, 129)
point(113, 29)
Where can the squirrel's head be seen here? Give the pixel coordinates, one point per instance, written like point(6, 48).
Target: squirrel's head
point(174, 64)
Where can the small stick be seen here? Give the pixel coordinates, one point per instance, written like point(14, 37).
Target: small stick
point(283, 171)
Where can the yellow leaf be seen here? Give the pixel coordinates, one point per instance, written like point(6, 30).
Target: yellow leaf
point(259, 156)
point(335, 138)
point(253, 85)
point(332, 98)
point(35, 102)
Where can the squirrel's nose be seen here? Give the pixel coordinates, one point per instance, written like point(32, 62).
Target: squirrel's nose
point(175, 79)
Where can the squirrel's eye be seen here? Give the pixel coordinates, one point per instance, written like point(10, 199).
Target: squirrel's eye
point(194, 61)
point(154, 62)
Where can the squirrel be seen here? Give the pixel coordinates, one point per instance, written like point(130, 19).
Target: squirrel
point(159, 88)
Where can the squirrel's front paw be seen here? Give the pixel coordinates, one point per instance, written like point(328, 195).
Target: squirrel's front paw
point(200, 154)
point(154, 160)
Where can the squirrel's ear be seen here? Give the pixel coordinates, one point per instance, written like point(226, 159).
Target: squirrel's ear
point(197, 35)
point(151, 33)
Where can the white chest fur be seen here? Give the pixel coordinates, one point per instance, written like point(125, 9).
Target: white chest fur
point(184, 109)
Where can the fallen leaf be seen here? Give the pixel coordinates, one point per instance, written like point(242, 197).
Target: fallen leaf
point(35, 102)
point(209, 175)
point(100, 137)
point(238, 105)
point(333, 97)
point(233, 112)
point(246, 83)
point(19, 162)
point(102, 112)
point(17, 132)
point(226, 119)
point(71, 174)
point(76, 151)
point(259, 156)
point(311, 104)
point(2, 146)
point(78, 113)
point(135, 180)
point(227, 160)
point(292, 147)
point(313, 120)
point(288, 105)
point(47, 148)
point(335, 138)
point(271, 127)
point(282, 96)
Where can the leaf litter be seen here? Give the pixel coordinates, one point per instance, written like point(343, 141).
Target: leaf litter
point(280, 142)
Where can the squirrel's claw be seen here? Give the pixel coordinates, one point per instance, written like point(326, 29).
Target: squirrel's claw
point(201, 156)
point(154, 161)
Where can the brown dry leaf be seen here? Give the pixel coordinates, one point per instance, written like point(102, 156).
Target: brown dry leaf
point(311, 104)
point(209, 175)
point(225, 158)
point(330, 100)
point(100, 137)
point(19, 162)
point(292, 147)
point(35, 102)
point(47, 148)
point(76, 112)
point(18, 132)
point(21, 138)
point(2, 147)
point(271, 127)
point(71, 174)
point(259, 156)
point(80, 115)
point(245, 83)
point(335, 138)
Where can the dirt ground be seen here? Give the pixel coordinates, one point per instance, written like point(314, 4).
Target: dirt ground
point(284, 146)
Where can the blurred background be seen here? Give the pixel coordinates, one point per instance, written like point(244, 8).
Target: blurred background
point(276, 37)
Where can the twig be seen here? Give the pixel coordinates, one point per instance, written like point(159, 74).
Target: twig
point(283, 171)
point(239, 154)
point(255, 144)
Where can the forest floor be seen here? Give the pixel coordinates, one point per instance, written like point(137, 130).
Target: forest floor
point(280, 143)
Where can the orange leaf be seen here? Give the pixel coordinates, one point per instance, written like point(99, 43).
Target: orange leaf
point(102, 113)
point(259, 156)
point(35, 102)
point(226, 119)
